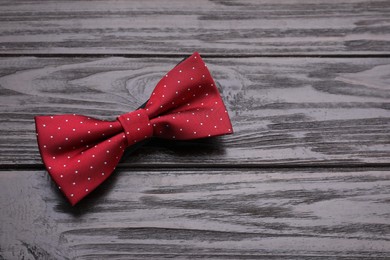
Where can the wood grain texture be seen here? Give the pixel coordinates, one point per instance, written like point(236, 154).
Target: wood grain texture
point(218, 27)
point(187, 214)
point(284, 111)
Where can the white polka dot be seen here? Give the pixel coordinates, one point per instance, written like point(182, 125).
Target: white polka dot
point(109, 141)
point(127, 119)
point(173, 137)
point(93, 155)
point(163, 96)
point(102, 173)
point(201, 123)
point(105, 162)
point(138, 129)
point(59, 128)
point(59, 187)
point(181, 129)
point(89, 178)
point(215, 126)
point(207, 115)
point(81, 141)
point(66, 138)
point(165, 86)
point(49, 168)
point(51, 117)
point(96, 123)
point(44, 146)
point(221, 119)
point(44, 125)
point(91, 167)
point(216, 102)
point(200, 86)
point(177, 92)
point(74, 183)
point(203, 76)
point(86, 190)
point(108, 151)
point(74, 129)
point(180, 71)
point(51, 137)
point(59, 148)
point(76, 171)
point(188, 120)
point(212, 84)
point(54, 157)
point(71, 195)
point(61, 176)
point(192, 78)
point(81, 122)
point(110, 125)
point(194, 133)
point(193, 68)
point(89, 132)
point(178, 81)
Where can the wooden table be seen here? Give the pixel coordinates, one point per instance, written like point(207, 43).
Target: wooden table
point(305, 176)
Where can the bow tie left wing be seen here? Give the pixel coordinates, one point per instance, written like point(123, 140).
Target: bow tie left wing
point(79, 152)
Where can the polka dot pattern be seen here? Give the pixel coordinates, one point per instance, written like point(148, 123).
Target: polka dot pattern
point(80, 152)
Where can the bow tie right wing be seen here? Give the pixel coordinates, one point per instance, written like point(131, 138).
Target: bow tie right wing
point(186, 103)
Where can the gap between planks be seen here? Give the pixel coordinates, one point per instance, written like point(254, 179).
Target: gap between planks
point(180, 55)
point(204, 166)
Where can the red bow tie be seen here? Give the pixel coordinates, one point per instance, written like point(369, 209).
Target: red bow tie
point(80, 152)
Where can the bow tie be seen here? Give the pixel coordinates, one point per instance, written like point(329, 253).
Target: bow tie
point(80, 152)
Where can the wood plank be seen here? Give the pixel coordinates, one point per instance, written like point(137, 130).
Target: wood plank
point(249, 27)
point(284, 111)
point(187, 214)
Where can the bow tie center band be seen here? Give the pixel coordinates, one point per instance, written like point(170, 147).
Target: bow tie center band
point(81, 152)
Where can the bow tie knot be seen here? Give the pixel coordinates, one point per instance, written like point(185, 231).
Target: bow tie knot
point(136, 126)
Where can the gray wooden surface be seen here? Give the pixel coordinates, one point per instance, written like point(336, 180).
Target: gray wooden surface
point(218, 27)
point(305, 176)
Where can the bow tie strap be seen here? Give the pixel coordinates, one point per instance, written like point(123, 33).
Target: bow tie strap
point(136, 126)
